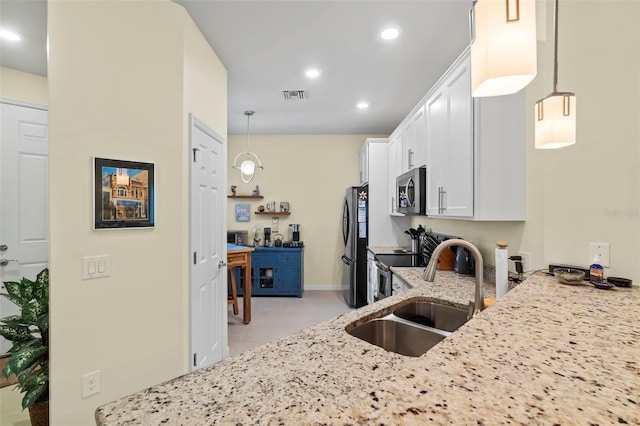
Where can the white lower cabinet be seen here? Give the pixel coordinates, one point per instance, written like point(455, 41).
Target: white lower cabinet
point(372, 278)
point(398, 285)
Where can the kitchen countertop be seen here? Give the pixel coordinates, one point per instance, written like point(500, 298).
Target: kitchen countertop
point(390, 250)
point(545, 353)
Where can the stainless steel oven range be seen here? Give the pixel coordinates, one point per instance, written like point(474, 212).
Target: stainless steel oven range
point(383, 264)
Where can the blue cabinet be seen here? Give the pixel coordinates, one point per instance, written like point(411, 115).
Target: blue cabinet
point(277, 271)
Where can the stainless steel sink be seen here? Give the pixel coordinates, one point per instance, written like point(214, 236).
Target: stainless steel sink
point(398, 337)
point(436, 315)
point(412, 328)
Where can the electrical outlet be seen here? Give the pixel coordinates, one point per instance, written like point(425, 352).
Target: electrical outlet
point(526, 260)
point(90, 383)
point(602, 251)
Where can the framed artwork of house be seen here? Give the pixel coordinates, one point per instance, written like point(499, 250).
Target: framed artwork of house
point(123, 194)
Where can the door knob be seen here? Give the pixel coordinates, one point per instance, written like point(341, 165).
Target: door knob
point(3, 247)
point(222, 264)
point(5, 262)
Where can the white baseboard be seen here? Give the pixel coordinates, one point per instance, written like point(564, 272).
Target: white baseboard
point(320, 287)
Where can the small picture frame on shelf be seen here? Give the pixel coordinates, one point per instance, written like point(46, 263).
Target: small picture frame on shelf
point(242, 212)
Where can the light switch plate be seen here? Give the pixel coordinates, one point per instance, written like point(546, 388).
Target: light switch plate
point(96, 266)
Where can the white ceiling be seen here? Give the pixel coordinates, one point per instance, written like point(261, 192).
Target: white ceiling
point(267, 45)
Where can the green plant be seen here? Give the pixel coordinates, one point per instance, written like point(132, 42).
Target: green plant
point(29, 333)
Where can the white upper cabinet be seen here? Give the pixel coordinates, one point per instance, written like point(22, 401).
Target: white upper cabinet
point(414, 140)
point(474, 149)
point(450, 145)
point(363, 162)
point(394, 157)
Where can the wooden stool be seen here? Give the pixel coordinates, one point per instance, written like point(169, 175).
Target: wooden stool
point(234, 292)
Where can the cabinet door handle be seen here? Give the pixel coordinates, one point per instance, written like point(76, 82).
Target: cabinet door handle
point(410, 158)
point(444, 204)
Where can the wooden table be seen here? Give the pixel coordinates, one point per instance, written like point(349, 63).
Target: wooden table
point(240, 257)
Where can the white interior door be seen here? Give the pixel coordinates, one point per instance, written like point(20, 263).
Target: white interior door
point(208, 281)
point(24, 198)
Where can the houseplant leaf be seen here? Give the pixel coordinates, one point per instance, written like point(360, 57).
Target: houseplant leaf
point(29, 334)
point(15, 333)
point(21, 360)
point(40, 386)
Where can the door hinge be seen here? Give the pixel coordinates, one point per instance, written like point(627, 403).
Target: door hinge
point(194, 154)
point(195, 359)
point(195, 257)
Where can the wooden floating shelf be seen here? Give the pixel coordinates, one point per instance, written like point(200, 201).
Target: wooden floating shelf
point(257, 197)
point(275, 213)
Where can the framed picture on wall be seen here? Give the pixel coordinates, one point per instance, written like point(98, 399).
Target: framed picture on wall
point(123, 194)
point(242, 213)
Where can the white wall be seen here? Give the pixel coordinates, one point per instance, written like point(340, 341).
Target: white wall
point(117, 89)
point(311, 172)
point(588, 192)
point(24, 86)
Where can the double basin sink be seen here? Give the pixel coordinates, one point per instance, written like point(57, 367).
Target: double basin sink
point(412, 328)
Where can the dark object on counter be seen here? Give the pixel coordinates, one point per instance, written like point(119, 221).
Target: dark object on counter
point(620, 282)
point(239, 238)
point(603, 285)
point(465, 263)
point(554, 266)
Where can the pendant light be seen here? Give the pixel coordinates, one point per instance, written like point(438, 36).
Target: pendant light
point(248, 166)
point(555, 115)
point(503, 46)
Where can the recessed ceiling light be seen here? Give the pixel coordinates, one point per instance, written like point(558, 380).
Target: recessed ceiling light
point(9, 35)
point(312, 73)
point(363, 105)
point(389, 33)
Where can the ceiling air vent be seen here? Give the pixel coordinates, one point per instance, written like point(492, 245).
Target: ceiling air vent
point(291, 95)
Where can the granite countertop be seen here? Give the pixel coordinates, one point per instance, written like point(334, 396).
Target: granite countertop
point(545, 353)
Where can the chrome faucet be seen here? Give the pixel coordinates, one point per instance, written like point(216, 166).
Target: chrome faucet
point(429, 273)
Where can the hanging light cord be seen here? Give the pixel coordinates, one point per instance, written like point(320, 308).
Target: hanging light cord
point(555, 46)
point(248, 114)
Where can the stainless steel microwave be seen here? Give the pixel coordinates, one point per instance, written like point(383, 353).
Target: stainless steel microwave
point(411, 192)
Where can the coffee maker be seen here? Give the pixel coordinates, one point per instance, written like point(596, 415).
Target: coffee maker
point(294, 236)
point(267, 237)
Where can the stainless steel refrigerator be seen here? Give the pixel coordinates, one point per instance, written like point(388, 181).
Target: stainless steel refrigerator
point(355, 234)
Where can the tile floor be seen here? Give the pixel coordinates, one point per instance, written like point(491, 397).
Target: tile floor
point(272, 318)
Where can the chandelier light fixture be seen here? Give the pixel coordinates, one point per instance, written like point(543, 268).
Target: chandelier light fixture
point(503, 46)
point(555, 115)
point(247, 164)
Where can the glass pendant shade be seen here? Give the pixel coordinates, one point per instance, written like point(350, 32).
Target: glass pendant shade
point(503, 48)
point(555, 115)
point(248, 166)
point(555, 121)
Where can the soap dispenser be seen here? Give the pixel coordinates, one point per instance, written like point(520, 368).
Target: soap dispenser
point(596, 272)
